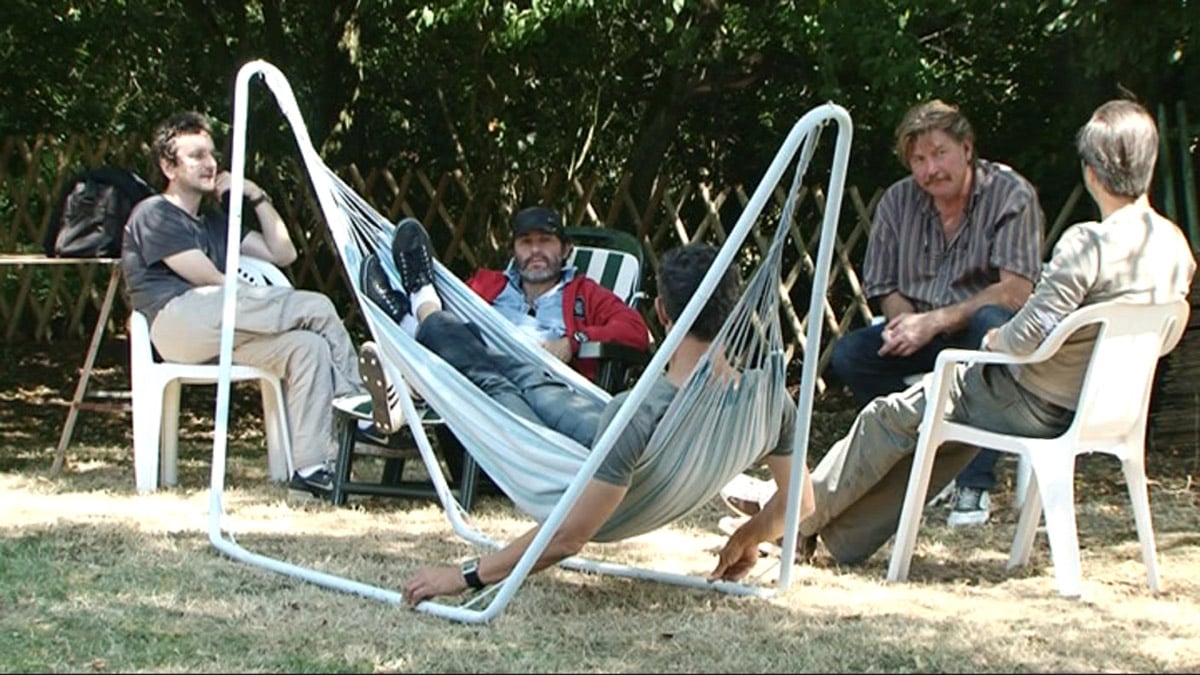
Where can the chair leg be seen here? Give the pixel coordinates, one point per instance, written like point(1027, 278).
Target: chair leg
point(393, 471)
point(1027, 524)
point(1139, 500)
point(147, 434)
point(468, 481)
point(170, 432)
point(1056, 475)
point(343, 426)
point(279, 450)
point(914, 505)
point(1024, 472)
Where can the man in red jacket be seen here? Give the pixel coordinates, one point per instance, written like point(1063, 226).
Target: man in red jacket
point(554, 303)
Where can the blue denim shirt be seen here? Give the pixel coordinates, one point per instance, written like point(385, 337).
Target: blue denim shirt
point(543, 319)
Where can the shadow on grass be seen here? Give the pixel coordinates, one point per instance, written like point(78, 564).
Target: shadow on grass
point(168, 601)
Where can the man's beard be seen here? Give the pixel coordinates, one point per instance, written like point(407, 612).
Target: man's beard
point(550, 272)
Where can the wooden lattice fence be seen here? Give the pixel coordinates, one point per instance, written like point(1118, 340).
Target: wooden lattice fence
point(47, 304)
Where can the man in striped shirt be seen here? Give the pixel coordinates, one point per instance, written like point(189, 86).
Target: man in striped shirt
point(954, 250)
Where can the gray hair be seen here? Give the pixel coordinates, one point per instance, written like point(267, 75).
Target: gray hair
point(1120, 143)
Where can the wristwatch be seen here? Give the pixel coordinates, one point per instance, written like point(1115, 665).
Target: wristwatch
point(579, 337)
point(262, 197)
point(470, 572)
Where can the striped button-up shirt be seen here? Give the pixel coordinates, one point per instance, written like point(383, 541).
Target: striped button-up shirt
point(908, 253)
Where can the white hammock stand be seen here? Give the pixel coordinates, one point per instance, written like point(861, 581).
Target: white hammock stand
point(499, 595)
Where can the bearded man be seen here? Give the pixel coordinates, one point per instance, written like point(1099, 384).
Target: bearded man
point(555, 303)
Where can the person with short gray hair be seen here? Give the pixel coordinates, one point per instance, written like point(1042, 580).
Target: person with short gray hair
point(1133, 254)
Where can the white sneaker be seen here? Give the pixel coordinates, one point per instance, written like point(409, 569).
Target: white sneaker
point(746, 495)
point(972, 506)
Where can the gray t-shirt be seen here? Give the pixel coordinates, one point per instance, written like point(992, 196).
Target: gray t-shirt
point(617, 468)
point(158, 229)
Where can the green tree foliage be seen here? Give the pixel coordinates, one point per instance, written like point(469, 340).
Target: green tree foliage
point(634, 88)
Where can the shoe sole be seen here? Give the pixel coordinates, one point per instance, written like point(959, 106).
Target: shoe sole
point(741, 507)
point(370, 369)
point(297, 496)
point(958, 519)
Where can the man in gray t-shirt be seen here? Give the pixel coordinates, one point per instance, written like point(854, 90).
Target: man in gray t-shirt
point(527, 391)
point(173, 258)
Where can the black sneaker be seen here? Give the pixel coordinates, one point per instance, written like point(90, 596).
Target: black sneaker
point(410, 252)
point(319, 483)
point(378, 288)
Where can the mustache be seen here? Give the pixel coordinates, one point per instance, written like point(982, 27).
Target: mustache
point(550, 261)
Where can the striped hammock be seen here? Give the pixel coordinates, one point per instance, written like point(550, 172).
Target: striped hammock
point(714, 429)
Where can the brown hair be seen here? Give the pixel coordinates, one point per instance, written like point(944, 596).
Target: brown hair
point(936, 115)
point(163, 146)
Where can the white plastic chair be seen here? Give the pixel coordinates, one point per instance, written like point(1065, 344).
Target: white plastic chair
point(1110, 418)
point(1023, 469)
point(156, 387)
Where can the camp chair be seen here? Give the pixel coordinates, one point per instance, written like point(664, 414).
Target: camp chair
point(611, 258)
point(1110, 418)
point(715, 427)
point(614, 259)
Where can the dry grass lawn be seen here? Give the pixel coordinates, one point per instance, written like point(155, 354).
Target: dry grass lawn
point(94, 577)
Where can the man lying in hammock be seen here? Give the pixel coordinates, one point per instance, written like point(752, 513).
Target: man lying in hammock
point(530, 393)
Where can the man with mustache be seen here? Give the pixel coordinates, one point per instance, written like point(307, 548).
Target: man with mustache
point(953, 252)
point(173, 258)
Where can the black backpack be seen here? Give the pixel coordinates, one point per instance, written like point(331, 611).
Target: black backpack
point(89, 219)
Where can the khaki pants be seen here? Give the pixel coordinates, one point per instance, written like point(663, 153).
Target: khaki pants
point(295, 334)
point(860, 483)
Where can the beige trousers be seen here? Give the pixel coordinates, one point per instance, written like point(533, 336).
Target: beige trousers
point(293, 333)
point(860, 483)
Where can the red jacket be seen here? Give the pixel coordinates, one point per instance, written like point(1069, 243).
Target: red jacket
point(587, 307)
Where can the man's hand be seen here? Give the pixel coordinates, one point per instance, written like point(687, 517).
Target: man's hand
point(989, 338)
point(737, 558)
point(560, 348)
point(250, 189)
point(907, 333)
point(430, 582)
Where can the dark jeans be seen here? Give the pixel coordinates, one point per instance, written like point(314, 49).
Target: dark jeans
point(857, 364)
point(523, 388)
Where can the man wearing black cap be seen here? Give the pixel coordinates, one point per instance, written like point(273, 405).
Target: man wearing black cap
point(552, 301)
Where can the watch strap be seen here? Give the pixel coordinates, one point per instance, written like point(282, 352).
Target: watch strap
point(470, 572)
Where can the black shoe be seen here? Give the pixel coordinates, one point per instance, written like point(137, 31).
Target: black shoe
point(371, 435)
point(410, 252)
point(806, 548)
point(319, 483)
point(378, 288)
